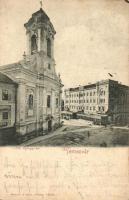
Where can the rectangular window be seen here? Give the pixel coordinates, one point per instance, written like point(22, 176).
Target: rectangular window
point(57, 102)
point(49, 66)
point(5, 95)
point(48, 47)
point(101, 100)
point(48, 101)
point(5, 115)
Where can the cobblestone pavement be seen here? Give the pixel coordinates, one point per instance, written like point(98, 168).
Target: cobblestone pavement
point(83, 133)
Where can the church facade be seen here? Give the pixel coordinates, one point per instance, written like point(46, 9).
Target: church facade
point(38, 95)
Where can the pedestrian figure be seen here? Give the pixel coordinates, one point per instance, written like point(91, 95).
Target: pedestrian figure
point(103, 144)
point(88, 133)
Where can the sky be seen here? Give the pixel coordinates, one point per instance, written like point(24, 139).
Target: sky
point(92, 37)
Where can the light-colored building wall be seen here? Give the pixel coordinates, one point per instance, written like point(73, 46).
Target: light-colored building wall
point(7, 106)
point(104, 97)
point(81, 99)
point(37, 79)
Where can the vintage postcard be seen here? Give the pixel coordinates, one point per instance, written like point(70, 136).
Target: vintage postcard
point(64, 100)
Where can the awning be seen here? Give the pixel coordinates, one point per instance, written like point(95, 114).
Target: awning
point(92, 116)
point(66, 112)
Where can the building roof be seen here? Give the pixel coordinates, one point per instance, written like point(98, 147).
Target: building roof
point(82, 87)
point(90, 86)
point(41, 12)
point(39, 18)
point(6, 79)
point(42, 16)
point(11, 66)
point(97, 83)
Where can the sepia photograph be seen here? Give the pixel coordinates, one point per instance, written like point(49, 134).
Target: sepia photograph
point(64, 100)
point(64, 73)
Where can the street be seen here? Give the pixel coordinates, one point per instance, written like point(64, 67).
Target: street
point(83, 133)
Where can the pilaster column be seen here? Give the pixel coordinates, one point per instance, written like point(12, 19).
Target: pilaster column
point(39, 39)
point(44, 101)
point(21, 103)
point(44, 108)
point(52, 48)
point(37, 103)
point(53, 102)
point(60, 98)
point(28, 44)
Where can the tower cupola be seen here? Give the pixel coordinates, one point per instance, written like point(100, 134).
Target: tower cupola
point(40, 34)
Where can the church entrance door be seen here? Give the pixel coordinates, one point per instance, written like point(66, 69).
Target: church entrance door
point(49, 125)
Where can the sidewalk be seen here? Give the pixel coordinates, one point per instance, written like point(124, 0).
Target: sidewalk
point(121, 127)
point(54, 133)
point(61, 130)
point(40, 138)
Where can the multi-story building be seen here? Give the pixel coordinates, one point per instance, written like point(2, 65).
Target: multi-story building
point(106, 97)
point(39, 87)
point(8, 90)
point(7, 101)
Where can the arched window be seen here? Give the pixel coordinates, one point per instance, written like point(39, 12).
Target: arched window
point(30, 101)
point(33, 43)
point(48, 101)
point(49, 47)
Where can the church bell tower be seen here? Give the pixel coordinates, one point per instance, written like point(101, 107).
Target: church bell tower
point(40, 38)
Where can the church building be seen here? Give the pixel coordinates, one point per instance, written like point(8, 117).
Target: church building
point(38, 94)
